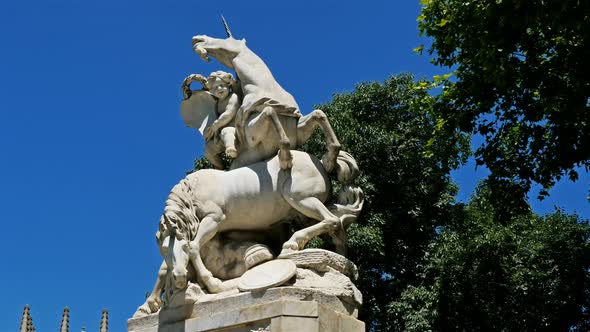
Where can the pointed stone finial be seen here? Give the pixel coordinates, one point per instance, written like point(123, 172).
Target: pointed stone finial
point(31, 326)
point(26, 319)
point(104, 321)
point(65, 321)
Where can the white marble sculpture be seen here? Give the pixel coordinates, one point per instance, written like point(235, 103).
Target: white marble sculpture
point(219, 227)
point(268, 119)
point(213, 109)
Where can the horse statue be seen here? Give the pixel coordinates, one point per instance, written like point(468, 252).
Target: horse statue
point(253, 198)
point(268, 119)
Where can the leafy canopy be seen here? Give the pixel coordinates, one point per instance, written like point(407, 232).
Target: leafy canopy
point(481, 275)
point(522, 81)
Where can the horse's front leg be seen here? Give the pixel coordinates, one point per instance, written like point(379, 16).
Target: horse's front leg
point(154, 301)
point(207, 230)
point(307, 124)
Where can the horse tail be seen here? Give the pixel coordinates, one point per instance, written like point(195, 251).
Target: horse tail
point(349, 203)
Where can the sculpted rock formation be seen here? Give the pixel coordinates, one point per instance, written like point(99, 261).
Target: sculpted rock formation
point(226, 231)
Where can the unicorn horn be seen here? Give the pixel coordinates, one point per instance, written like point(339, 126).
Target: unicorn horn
point(226, 27)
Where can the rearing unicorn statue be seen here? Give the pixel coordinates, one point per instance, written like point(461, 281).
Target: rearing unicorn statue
point(269, 119)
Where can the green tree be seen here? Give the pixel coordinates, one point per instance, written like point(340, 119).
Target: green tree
point(390, 130)
point(522, 81)
point(528, 275)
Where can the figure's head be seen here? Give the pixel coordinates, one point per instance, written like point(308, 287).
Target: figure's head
point(178, 226)
point(219, 84)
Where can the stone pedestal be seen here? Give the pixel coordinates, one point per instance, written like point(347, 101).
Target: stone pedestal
point(277, 309)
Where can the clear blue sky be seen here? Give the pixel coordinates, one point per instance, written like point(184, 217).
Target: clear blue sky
point(91, 139)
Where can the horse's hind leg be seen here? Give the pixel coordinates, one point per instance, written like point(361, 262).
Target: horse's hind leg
point(285, 156)
point(256, 129)
point(339, 239)
point(307, 125)
point(313, 208)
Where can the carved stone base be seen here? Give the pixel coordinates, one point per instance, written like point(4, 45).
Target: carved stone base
point(276, 309)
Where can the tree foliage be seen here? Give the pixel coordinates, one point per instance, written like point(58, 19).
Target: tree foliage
point(481, 275)
point(522, 81)
point(390, 130)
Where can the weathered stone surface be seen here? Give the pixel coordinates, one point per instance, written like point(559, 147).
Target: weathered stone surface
point(331, 282)
point(277, 309)
point(320, 260)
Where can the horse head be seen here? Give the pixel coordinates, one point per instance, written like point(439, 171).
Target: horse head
point(178, 226)
point(175, 249)
point(224, 50)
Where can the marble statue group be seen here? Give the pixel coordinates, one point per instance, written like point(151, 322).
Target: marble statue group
point(243, 224)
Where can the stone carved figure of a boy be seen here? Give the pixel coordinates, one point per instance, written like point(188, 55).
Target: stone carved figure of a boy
point(221, 134)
